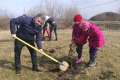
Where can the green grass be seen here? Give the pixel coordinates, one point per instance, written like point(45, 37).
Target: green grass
point(108, 60)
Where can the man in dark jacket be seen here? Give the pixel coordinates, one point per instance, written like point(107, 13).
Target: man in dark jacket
point(52, 26)
point(28, 29)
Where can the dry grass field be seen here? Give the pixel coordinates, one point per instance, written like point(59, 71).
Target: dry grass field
point(108, 60)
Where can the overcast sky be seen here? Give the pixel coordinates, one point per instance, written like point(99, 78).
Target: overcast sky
point(88, 8)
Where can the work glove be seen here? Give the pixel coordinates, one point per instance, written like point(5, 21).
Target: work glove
point(42, 42)
point(13, 35)
point(41, 50)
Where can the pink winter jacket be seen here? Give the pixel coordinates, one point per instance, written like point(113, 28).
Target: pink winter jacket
point(93, 35)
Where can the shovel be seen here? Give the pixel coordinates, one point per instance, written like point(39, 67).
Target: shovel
point(63, 66)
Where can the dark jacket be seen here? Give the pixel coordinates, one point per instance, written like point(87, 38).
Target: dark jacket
point(25, 28)
point(50, 21)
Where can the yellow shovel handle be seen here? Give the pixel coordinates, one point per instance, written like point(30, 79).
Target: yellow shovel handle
point(36, 49)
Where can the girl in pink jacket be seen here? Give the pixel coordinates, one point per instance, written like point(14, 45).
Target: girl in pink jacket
point(84, 32)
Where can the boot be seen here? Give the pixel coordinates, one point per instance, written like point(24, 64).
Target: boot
point(35, 68)
point(18, 72)
point(92, 61)
point(78, 61)
point(56, 39)
point(93, 54)
point(79, 52)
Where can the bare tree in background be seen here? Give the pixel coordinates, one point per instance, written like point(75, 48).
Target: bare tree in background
point(55, 9)
point(48, 7)
point(69, 13)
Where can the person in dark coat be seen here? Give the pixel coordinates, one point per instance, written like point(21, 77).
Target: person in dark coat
point(52, 27)
point(28, 29)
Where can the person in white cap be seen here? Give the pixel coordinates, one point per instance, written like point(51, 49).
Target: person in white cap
point(52, 27)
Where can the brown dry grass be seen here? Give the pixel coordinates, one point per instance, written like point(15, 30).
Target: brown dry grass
point(108, 67)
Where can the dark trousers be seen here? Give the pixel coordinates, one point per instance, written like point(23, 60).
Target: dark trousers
point(17, 50)
point(53, 28)
point(92, 52)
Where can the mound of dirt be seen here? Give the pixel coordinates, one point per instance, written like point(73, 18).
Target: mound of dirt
point(52, 50)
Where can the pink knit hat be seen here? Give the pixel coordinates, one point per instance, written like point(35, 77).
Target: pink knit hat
point(77, 18)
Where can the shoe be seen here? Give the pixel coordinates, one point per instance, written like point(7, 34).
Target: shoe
point(18, 72)
point(91, 64)
point(49, 39)
point(78, 61)
point(35, 69)
point(56, 39)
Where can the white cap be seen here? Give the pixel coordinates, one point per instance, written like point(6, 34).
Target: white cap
point(47, 17)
